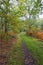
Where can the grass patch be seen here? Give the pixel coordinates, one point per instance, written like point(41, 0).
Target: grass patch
point(16, 55)
point(35, 47)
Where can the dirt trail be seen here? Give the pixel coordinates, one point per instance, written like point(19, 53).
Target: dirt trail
point(27, 55)
point(4, 50)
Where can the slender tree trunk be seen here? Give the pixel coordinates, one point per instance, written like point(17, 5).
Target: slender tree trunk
point(6, 22)
point(5, 26)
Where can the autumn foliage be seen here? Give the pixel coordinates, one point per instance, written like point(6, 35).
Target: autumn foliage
point(37, 34)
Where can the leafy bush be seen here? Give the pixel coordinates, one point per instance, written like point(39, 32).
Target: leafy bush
point(37, 34)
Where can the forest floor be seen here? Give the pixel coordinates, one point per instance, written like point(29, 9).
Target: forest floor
point(24, 51)
point(28, 59)
point(4, 50)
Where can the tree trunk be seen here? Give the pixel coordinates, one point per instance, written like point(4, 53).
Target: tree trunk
point(6, 26)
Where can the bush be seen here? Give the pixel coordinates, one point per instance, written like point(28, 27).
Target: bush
point(29, 33)
point(37, 34)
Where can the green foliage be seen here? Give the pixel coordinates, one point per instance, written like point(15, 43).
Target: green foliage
point(11, 12)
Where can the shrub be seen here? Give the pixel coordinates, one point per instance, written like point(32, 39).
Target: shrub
point(37, 34)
